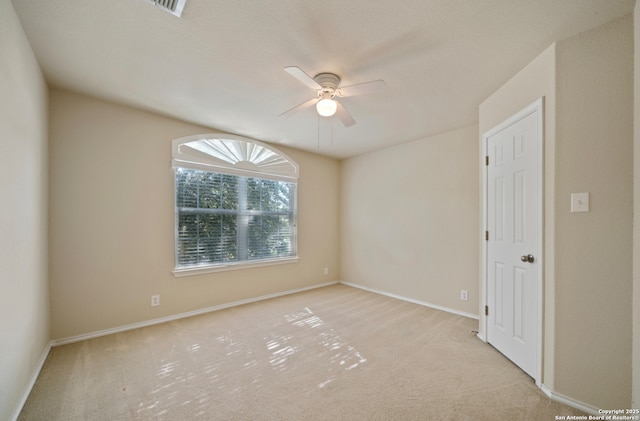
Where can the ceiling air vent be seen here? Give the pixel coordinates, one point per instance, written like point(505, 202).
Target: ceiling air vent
point(172, 6)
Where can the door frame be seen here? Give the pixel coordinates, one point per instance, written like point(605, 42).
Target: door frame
point(536, 106)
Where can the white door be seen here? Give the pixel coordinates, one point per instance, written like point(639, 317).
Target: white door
point(513, 187)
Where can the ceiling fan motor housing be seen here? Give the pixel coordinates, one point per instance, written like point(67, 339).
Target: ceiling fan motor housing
point(328, 81)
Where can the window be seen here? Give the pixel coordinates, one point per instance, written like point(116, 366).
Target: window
point(235, 204)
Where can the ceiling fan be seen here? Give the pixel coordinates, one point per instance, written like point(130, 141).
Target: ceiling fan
point(327, 88)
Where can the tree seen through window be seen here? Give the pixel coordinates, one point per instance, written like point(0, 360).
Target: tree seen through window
point(225, 218)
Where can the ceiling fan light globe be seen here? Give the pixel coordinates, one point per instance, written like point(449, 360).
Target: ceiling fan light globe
point(326, 107)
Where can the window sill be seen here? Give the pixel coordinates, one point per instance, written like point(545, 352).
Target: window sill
point(199, 270)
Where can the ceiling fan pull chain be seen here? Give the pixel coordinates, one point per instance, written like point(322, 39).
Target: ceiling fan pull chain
point(332, 133)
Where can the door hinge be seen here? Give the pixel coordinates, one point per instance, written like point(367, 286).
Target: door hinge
point(486, 160)
point(486, 235)
point(486, 310)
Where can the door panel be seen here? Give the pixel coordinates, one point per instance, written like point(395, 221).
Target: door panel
point(513, 221)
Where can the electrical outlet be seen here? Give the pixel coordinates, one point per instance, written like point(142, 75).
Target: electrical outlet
point(155, 300)
point(464, 295)
point(326, 271)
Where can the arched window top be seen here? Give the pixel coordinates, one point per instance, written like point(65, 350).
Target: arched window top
point(232, 154)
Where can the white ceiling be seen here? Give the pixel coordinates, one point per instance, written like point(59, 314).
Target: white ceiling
point(221, 64)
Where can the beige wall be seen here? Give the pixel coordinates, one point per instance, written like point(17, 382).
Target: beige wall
point(409, 220)
point(24, 302)
point(112, 222)
point(594, 153)
point(636, 207)
point(111, 216)
point(588, 148)
point(536, 80)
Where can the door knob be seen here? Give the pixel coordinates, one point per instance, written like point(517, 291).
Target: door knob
point(528, 258)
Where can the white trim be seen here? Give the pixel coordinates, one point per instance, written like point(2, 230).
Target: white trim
point(536, 107)
point(482, 326)
point(43, 357)
point(411, 300)
point(241, 157)
point(539, 105)
point(199, 270)
point(32, 381)
point(233, 154)
point(182, 163)
point(132, 326)
point(569, 401)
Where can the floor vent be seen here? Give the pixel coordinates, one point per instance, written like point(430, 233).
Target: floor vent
point(172, 6)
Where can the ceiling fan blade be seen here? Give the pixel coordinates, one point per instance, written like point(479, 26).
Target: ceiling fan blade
point(344, 115)
point(372, 87)
point(297, 108)
point(299, 74)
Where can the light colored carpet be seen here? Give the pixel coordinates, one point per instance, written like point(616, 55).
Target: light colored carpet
point(333, 353)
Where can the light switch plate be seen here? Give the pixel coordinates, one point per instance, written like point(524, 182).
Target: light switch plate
point(579, 202)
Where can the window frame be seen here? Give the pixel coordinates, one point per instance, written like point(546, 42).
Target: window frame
point(236, 156)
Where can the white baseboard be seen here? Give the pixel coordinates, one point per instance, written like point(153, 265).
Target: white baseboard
point(14, 416)
point(43, 357)
point(411, 300)
point(569, 401)
point(132, 326)
point(546, 390)
point(32, 381)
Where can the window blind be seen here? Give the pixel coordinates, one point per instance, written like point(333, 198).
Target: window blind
point(225, 218)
